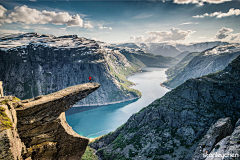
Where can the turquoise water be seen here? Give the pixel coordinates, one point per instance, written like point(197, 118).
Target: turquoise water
point(102, 120)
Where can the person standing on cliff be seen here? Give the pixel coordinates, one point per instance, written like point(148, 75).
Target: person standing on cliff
point(90, 79)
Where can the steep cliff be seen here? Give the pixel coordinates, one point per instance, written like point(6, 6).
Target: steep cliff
point(172, 126)
point(209, 61)
point(220, 142)
point(34, 64)
point(173, 71)
point(37, 128)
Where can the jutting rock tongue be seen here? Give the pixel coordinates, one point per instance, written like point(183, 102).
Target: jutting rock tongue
point(43, 128)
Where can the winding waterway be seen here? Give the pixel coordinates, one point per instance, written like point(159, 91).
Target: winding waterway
point(102, 120)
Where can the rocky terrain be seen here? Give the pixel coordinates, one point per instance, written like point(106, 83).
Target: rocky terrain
point(172, 49)
point(172, 127)
point(34, 64)
point(220, 142)
point(173, 71)
point(209, 61)
point(37, 128)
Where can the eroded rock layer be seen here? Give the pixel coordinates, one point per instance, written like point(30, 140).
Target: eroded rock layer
point(37, 128)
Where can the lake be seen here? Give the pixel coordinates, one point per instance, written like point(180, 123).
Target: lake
point(102, 120)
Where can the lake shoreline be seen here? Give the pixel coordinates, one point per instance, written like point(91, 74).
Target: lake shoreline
point(106, 118)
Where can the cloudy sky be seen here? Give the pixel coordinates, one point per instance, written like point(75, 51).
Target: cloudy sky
point(116, 21)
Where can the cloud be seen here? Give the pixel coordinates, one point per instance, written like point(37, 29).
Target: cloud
point(101, 27)
point(142, 16)
point(8, 31)
point(173, 35)
point(27, 15)
point(234, 36)
point(33, 0)
point(188, 23)
point(231, 12)
point(159, 36)
point(88, 25)
point(202, 37)
point(26, 27)
point(199, 2)
point(226, 34)
point(223, 33)
point(137, 39)
point(2, 14)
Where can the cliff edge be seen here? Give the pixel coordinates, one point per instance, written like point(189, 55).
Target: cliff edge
point(41, 127)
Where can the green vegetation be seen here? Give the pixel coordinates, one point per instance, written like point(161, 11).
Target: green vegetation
point(5, 122)
point(125, 90)
point(89, 154)
point(4, 101)
point(119, 142)
point(15, 99)
point(149, 59)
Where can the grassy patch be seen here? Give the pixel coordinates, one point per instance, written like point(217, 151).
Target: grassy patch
point(5, 122)
point(89, 154)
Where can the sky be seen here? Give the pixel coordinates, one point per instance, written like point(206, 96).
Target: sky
point(120, 21)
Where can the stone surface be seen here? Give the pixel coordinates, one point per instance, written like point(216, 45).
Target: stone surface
point(228, 148)
point(11, 146)
point(43, 128)
point(217, 132)
point(1, 89)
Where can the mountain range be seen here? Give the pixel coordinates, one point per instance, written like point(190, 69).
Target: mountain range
point(172, 49)
point(198, 64)
point(35, 64)
point(191, 120)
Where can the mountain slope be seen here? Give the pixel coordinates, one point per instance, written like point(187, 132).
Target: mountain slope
point(148, 59)
point(171, 127)
point(182, 55)
point(209, 61)
point(33, 64)
point(173, 71)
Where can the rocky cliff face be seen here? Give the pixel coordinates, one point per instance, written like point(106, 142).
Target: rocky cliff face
point(209, 61)
point(172, 126)
point(37, 127)
point(220, 142)
point(33, 64)
point(173, 71)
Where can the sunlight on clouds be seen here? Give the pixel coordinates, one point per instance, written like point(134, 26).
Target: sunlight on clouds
point(160, 36)
point(27, 15)
point(8, 31)
point(199, 2)
point(226, 33)
point(88, 25)
point(189, 23)
point(101, 27)
point(231, 12)
point(26, 27)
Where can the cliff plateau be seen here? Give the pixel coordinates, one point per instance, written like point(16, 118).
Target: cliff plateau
point(34, 64)
point(37, 127)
